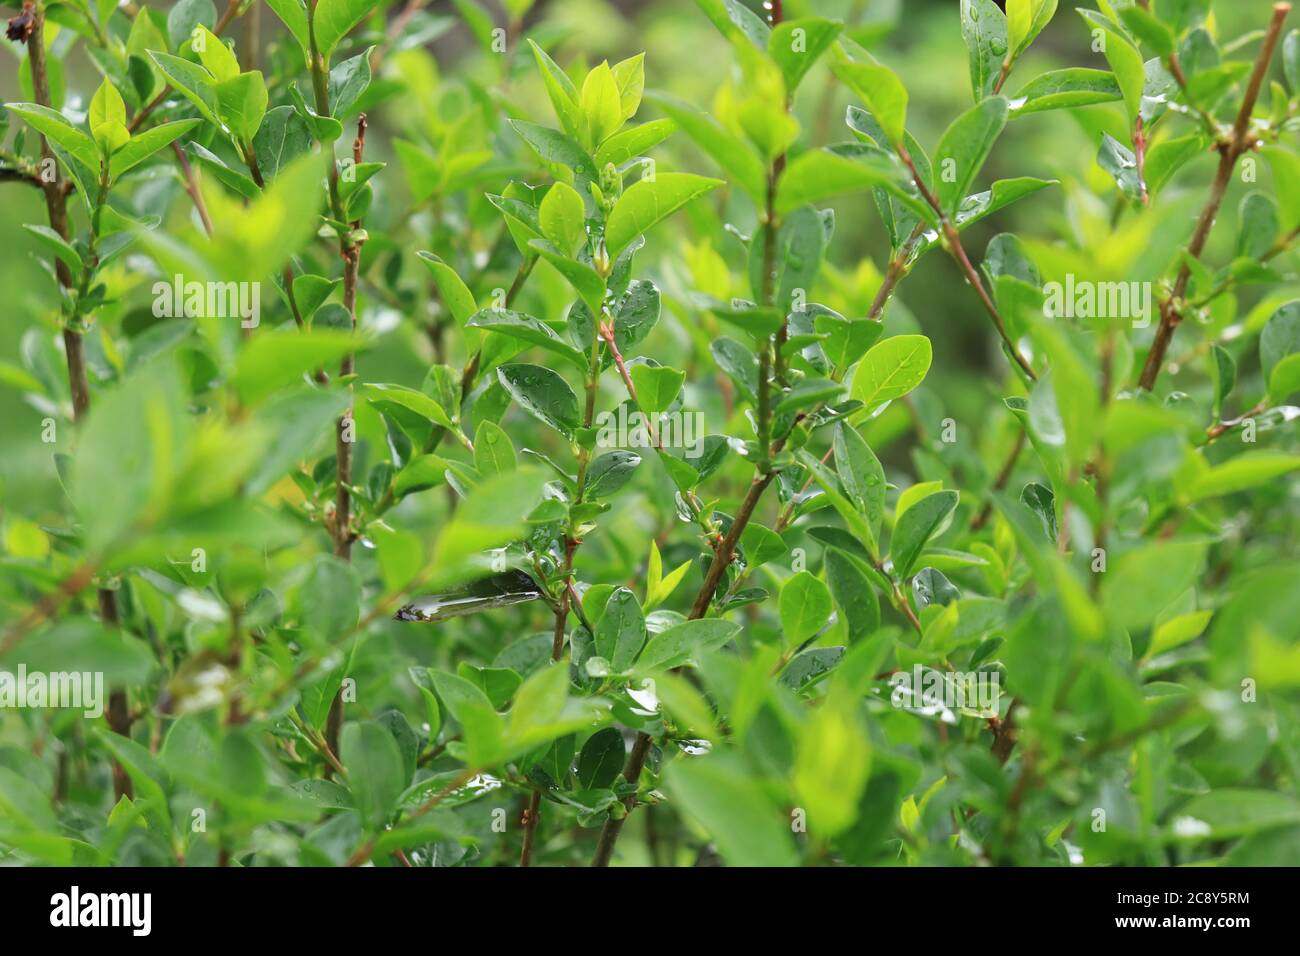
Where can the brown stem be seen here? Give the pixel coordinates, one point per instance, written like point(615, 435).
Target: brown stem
point(351, 252)
point(49, 605)
point(363, 852)
point(192, 188)
point(1218, 430)
point(568, 598)
point(1140, 148)
point(1003, 74)
point(1239, 141)
point(958, 252)
point(74, 349)
point(613, 827)
point(724, 552)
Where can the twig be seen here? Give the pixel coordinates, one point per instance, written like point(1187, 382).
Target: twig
point(74, 350)
point(1239, 141)
point(958, 252)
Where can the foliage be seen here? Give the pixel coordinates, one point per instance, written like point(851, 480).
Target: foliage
point(510, 460)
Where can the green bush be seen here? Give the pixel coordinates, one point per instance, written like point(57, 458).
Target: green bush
point(430, 456)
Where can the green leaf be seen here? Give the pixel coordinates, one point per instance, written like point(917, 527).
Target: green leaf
point(761, 545)
point(831, 767)
point(1025, 20)
point(241, 104)
point(636, 313)
point(215, 56)
point(563, 218)
point(861, 475)
point(1065, 89)
point(335, 18)
point(555, 147)
point(636, 141)
point(143, 145)
point(1280, 337)
point(493, 515)
point(805, 606)
point(1150, 29)
point(620, 633)
point(1170, 155)
point(601, 105)
point(610, 472)
point(984, 29)
point(184, 16)
point(375, 773)
point(331, 599)
point(890, 369)
point(586, 280)
point(1140, 583)
point(455, 294)
point(412, 400)
point(657, 386)
point(629, 74)
point(1232, 812)
point(293, 14)
point(734, 809)
point(88, 647)
point(543, 394)
point(796, 45)
point(1284, 380)
point(1071, 381)
point(1122, 164)
point(193, 82)
point(1224, 370)
point(348, 82)
point(601, 759)
point(915, 526)
point(737, 22)
point(964, 147)
point(106, 111)
point(58, 130)
point(271, 361)
point(854, 595)
point(540, 701)
point(1286, 181)
point(1124, 60)
point(648, 202)
point(54, 243)
point(482, 727)
point(679, 644)
point(821, 174)
point(736, 157)
point(562, 93)
point(1241, 474)
point(494, 453)
point(852, 517)
point(528, 329)
point(881, 89)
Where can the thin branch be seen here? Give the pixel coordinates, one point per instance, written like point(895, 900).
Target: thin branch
point(1239, 141)
point(958, 252)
